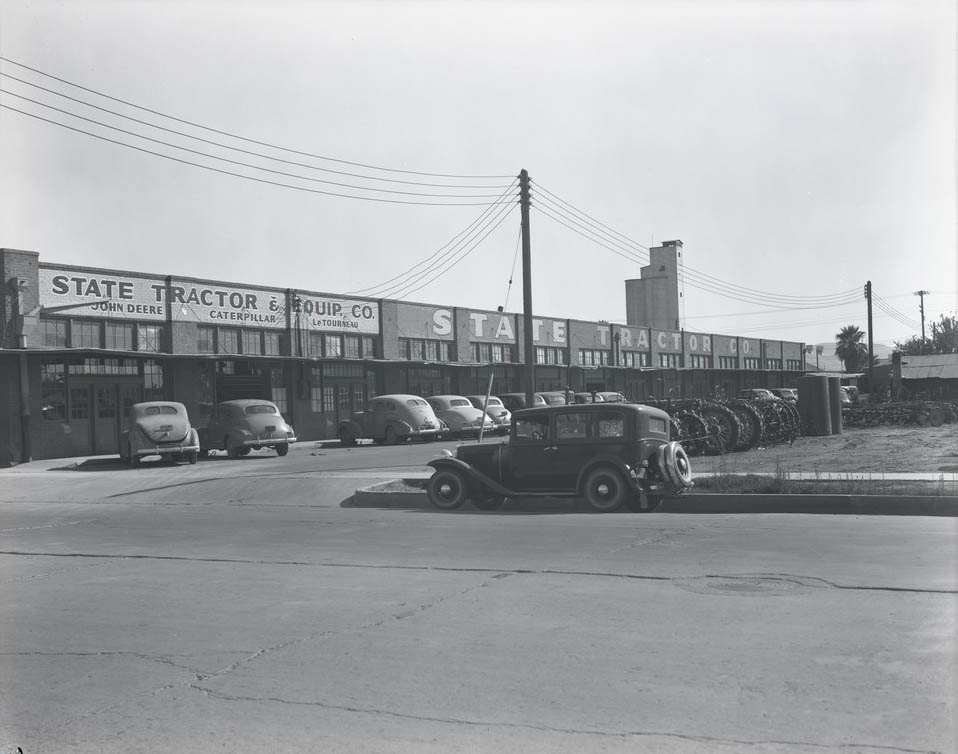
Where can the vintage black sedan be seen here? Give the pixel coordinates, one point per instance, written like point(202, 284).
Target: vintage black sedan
point(612, 454)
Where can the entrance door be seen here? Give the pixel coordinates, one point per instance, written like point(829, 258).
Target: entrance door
point(106, 419)
point(98, 409)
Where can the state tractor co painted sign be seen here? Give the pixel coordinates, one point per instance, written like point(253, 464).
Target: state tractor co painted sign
point(92, 293)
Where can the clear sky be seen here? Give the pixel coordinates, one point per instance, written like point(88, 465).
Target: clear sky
point(797, 148)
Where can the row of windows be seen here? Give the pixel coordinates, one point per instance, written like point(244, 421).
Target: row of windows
point(423, 349)
point(79, 333)
point(115, 336)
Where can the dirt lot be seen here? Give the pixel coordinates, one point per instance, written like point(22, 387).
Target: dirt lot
point(872, 449)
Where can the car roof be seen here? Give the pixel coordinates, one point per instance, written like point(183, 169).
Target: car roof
point(396, 397)
point(147, 404)
point(448, 397)
point(603, 407)
point(246, 402)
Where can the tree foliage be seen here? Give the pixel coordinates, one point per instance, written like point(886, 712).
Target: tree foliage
point(850, 349)
point(944, 339)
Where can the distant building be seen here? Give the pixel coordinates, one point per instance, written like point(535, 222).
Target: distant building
point(654, 300)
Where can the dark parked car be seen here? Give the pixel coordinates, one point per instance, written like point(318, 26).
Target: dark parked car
point(240, 426)
point(611, 454)
point(515, 401)
point(158, 428)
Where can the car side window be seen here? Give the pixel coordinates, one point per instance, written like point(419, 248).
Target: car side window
point(572, 426)
point(611, 425)
point(533, 428)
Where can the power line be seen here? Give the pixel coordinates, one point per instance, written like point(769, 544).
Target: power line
point(693, 277)
point(215, 143)
point(243, 138)
point(444, 255)
point(240, 175)
point(246, 164)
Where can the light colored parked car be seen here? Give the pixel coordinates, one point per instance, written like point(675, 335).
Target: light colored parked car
point(554, 397)
point(243, 425)
point(459, 415)
point(391, 419)
point(495, 410)
point(158, 428)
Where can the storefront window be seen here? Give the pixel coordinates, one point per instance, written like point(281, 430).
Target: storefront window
point(229, 341)
point(119, 337)
point(351, 347)
point(272, 344)
point(85, 334)
point(150, 338)
point(53, 406)
point(53, 333)
point(205, 340)
point(333, 346)
point(252, 342)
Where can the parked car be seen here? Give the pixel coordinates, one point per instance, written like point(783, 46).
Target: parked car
point(391, 419)
point(589, 398)
point(846, 397)
point(758, 394)
point(158, 428)
point(612, 454)
point(611, 396)
point(496, 410)
point(240, 426)
point(852, 391)
point(554, 397)
point(785, 393)
point(459, 415)
point(515, 401)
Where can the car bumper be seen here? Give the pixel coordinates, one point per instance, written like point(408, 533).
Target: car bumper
point(268, 441)
point(166, 449)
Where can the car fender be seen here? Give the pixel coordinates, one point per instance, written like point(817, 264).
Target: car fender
point(613, 461)
point(454, 464)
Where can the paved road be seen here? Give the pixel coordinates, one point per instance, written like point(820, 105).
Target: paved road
point(249, 605)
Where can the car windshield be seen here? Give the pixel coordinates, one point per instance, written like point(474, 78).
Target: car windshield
point(261, 408)
point(416, 402)
point(154, 410)
point(457, 403)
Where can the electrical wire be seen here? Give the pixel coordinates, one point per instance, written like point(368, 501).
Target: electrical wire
point(246, 164)
point(600, 233)
point(441, 252)
point(216, 143)
point(247, 177)
point(242, 138)
point(504, 213)
point(512, 272)
point(737, 293)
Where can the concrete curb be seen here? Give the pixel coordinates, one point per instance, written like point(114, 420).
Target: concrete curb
point(381, 494)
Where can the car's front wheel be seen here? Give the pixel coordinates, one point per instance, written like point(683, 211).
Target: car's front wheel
point(447, 489)
point(605, 490)
point(346, 437)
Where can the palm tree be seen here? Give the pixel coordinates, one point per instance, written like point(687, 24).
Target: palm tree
point(850, 349)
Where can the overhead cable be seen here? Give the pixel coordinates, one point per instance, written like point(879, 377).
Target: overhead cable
point(247, 177)
point(243, 138)
point(219, 144)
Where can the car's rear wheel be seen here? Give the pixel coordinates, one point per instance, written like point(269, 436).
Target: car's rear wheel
point(346, 437)
point(233, 451)
point(282, 450)
point(447, 489)
point(134, 458)
point(191, 457)
point(605, 490)
point(244, 450)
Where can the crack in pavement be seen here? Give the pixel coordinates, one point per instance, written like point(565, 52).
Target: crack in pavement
point(466, 569)
point(848, 747)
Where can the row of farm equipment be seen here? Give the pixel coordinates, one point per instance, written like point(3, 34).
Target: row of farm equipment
point(707, 426)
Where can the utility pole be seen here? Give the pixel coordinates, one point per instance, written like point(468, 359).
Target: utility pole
point(871, 345)
point(921, 307)
point(529, 370)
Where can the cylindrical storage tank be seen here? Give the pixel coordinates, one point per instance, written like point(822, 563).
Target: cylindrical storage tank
point(835, 403)
point(813, 405)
